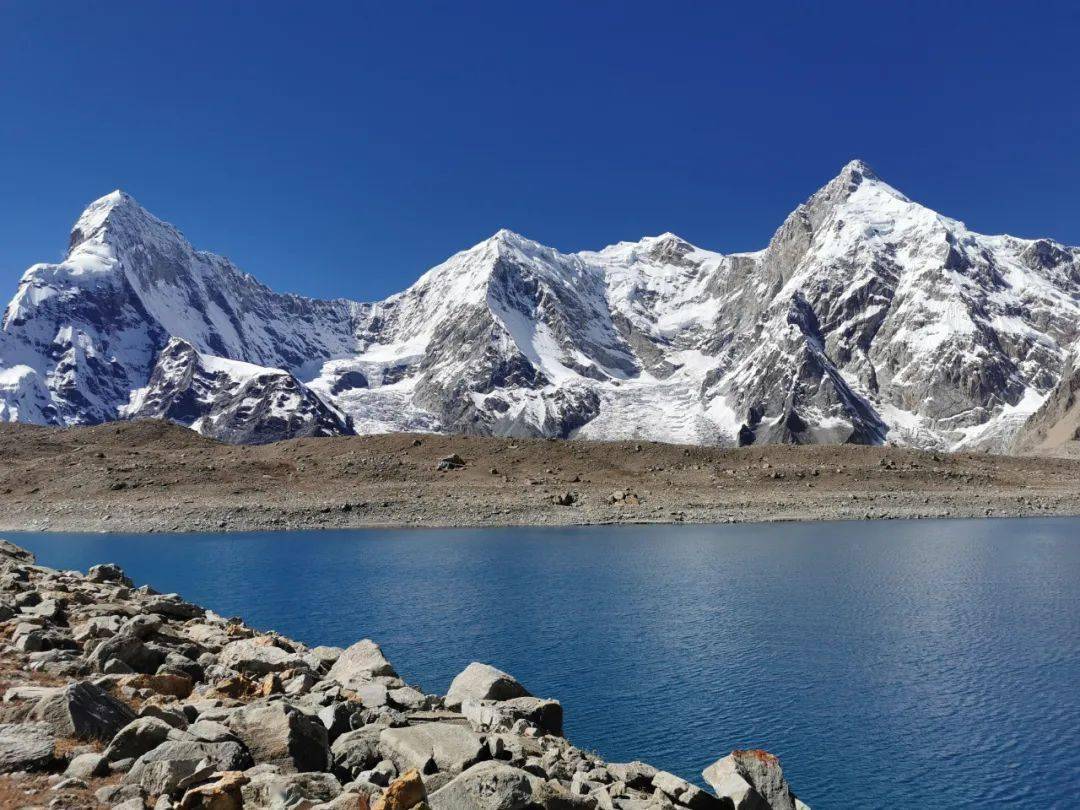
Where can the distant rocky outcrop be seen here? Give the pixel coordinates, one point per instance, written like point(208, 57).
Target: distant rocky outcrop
point(1055, 427)
point(232, 401)
point(123, 697)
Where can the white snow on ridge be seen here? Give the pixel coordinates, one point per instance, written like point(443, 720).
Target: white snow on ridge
point(868, 316)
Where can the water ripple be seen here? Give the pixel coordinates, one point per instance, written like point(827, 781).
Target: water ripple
point(921, 664)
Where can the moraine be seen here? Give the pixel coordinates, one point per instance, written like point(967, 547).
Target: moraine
point(899, 664)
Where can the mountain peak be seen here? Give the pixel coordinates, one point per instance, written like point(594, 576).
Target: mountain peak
point(97, 213)
point(855, 175)
point(665, 238)
point(506, 236)
point(505, 242)
point(117, 198)
point(860, 168)
point(119, 215)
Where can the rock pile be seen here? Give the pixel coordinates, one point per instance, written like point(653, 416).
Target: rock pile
point(117, 696)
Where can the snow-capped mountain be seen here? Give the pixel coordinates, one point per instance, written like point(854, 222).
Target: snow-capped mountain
point(867, 318)
point(231, 400)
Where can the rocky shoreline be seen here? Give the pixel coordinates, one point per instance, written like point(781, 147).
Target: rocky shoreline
point(118, 696)
point(154, 477)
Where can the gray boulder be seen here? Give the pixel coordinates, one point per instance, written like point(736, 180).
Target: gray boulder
point(487, 786)
point(26, 746)
point(636, 775)
point(337, 717)
point(128, 797)
point(108, 572)
point(209, 731)
point(687, 794)
point(483, 682)
point(96, 627)
point(269, 791)
point(87, 766)
point(137, 737)
point(360, 664)
point(127, 647)
point(11, 553)
point(431, 747)
point(371, 694)
point(84, 711)
point(142, 626)
point(751, 780)
point(326, 656)
point(173, 715)
point(163, 770)
point(280, 734)
point(356, 751)
point(174, 607)
point(408, 698)
point(486, 715)
point(450, 462)
point(253, 658)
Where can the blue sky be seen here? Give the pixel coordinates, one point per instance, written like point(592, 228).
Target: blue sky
point(343, 149)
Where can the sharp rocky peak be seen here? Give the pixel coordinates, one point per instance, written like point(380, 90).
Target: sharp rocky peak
point(119, 215)
point(854, 175)
point(858, 168)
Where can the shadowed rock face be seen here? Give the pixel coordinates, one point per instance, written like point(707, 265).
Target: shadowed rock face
point(233, 402)
point(1055, 426)
point(867, 318)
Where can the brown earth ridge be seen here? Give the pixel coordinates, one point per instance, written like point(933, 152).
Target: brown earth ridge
point(150, 476)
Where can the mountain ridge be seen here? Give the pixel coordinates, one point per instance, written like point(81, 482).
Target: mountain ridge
point(868, 318)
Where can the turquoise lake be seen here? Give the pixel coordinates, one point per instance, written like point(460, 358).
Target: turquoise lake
point(889, 664)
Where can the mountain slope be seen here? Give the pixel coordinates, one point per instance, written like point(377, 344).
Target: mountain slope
point(868, 318)
point(1054, 429)
point(230, 400)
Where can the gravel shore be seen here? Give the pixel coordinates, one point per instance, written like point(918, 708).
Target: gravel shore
point(151, 477)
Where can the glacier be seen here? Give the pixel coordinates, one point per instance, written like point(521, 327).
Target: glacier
point(868, 318)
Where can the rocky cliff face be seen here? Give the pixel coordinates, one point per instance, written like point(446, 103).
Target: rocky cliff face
point(868, 318)
point(231, 401)
point(1055, 427)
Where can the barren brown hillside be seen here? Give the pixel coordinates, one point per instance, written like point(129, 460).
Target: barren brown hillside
point(156, 477)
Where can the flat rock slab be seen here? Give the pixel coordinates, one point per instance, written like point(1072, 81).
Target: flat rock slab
point(488, 786)
point(26, 746)
point(253, 658)
point(431, 747)
point(269, 791)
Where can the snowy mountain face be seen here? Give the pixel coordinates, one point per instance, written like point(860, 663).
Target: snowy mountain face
point(230, 400)
point(868, 318)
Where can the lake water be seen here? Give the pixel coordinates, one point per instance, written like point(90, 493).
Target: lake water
point(889, 664)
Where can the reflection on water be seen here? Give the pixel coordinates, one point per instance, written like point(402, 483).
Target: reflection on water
point(898, 664)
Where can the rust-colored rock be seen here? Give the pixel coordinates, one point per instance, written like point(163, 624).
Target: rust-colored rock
point(270, 685)
point(404, 793)
point(349, 801)
point(177, 686)
point(236, 687)
point(221, 794)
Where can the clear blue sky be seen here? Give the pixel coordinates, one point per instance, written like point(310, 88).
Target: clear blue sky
point(343, 149)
